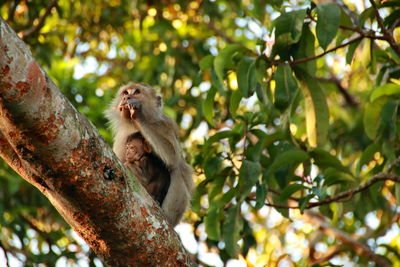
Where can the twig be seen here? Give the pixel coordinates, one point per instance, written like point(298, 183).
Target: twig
point(302, 60)
point(332, 252)
point(377, 178)
point(350, 100)
point(380, 177)
point(220, 33)
point(40, 23)
point(11, 10)
point(360, 248)
point(387, 33)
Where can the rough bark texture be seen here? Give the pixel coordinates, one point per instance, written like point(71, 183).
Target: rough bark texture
point(59, 151)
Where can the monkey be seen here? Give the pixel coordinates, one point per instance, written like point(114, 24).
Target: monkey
point(137, 108)
point(147, 167)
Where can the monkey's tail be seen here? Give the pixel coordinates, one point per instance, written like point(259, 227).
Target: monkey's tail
point(179, 193)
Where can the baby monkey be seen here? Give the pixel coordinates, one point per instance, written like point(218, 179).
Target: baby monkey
point(147, 141)
point(147, 167)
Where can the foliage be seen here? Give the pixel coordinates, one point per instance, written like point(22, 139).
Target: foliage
point(283, 108)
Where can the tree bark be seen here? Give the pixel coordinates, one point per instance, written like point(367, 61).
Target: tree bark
point(56, 149)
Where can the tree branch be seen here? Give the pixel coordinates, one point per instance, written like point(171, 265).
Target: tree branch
point(11, 10)
point(387, 33)
point(40, 23)
point(350, 100)
point(380, 177)
point(345, 238)
point(59, 151)
point(306, 59)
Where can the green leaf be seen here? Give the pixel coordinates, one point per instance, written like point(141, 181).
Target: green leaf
point(261, 195)
point(242, 72)
point(334, 176)
point(290, 190)
point(324, 160)
point(372, 116)
point(234, 102)
point(198, 192)
point(290, 23)
point(286, 158)
point(220, 135)
point(327, 23)
point(303, 202)
point(215, 188)
point(208, 105)
point(286, 86)
point(288, 30)
point(248, 176)
point(212, 166)
point(387, 127)
point(232, 227)
point(317, 113)
point(206, 62)
point(224, 61)
point(222, 199)
point(212, 224)
point(367, 156)
point(253, 84)
point(385, 90)
point(306, 48)
point(397, 193)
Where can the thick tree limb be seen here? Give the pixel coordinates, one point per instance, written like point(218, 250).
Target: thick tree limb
point(59, 151)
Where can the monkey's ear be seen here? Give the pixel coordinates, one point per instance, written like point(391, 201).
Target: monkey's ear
point(159, 100)
point(147, 147)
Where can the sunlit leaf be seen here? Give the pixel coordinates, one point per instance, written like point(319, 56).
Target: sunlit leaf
point(385, 90)
point(372, 116)
point(317, 113)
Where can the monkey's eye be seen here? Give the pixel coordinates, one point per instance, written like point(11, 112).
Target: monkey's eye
point(125, 92)
point(137, 91)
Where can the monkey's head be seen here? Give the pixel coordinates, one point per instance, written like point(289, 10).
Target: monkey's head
point(138, 100)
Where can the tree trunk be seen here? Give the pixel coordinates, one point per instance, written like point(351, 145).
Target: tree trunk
point(55, 148)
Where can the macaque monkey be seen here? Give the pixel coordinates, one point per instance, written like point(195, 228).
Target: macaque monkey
point(147, 167)
point(137, 109)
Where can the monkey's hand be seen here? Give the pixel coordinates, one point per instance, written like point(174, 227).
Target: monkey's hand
point(128, 108)
point(133, 106)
